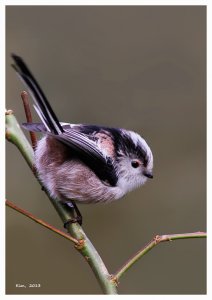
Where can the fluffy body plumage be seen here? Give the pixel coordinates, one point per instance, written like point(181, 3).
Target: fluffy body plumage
point(85, 163)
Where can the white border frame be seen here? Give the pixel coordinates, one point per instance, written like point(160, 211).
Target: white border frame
point(3, 4)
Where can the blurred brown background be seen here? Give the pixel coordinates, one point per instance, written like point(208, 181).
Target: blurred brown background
point(142, 68)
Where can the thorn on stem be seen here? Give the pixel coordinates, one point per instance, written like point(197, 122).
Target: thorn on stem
point(114, 279)
point(80, 245)
point(157, 239)
point(8, 112)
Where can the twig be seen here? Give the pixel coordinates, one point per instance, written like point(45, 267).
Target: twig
point(43, 223)
point(154, 242)
point(15, 135)
point(25, 99)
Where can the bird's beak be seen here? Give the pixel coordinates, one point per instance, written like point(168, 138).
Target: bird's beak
point(148, 174)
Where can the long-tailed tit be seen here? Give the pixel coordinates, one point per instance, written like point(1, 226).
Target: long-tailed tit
point(84, 163)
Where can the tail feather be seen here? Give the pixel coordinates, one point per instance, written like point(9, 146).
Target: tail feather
point(42, 106)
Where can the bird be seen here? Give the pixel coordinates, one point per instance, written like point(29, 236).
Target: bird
point(84, 163)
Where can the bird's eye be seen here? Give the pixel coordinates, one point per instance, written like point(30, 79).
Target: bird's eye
point(135, 164)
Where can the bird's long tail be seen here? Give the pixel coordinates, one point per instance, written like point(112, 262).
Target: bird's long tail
point(42, 106)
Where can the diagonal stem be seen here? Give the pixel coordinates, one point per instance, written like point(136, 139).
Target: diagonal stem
point(154, 242)
point(41, 222)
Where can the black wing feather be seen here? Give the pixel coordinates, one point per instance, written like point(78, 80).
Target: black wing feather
point(90, 154)
point(34, 127)
point(42, 104)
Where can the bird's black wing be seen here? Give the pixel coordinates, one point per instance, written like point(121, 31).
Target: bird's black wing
point(85, 148)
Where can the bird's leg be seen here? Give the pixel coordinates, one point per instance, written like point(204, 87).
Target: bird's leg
point(73, 207)
point(78, 213)
point(77, 218)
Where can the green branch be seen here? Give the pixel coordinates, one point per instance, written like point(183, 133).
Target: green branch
point(154, 242)
point(15, 135)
